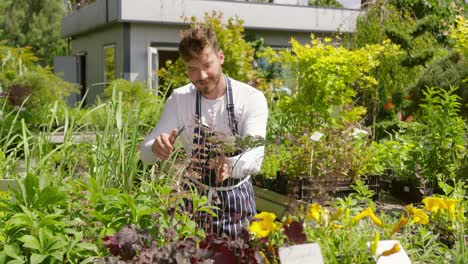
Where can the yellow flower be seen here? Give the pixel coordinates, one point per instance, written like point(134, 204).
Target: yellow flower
point(418, 215)
point(264, 257)
point(393, 250)
point(375, 243)
point(337, 214)
point(336, 226)
point(263, 224)
point(433, 204)
point(450, 204)
point(288, 221)
point(400, 224)
point(314, 212)
point(368, 213)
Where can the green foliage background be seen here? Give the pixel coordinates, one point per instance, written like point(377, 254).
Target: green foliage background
point(35, 24)
point(325, 3)
point(239, 54)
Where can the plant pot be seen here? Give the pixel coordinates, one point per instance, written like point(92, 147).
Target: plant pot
point(319, 189)
point(447, 241)
point(263, 182)
point(373, 181)
point(409, 191)
point(278, 184)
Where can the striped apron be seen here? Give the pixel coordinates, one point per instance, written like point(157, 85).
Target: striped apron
point(234, 197)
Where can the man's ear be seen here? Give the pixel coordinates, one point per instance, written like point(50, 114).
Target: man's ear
point(221, 57)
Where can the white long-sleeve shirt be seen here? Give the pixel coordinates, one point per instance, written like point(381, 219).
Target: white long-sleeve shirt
point(250, 110)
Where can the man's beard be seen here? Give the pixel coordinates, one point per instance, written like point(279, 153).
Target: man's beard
point(211, 85)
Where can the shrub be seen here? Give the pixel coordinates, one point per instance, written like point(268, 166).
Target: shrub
point(239, 55)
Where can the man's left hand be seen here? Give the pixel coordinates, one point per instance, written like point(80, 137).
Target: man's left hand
point(221, 166)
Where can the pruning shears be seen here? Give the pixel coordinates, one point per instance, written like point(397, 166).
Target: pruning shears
point(179, 132)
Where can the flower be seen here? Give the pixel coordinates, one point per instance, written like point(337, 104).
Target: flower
point(450, 205)
point(288, 221)
point(337, 214)
point(263, 224)
point(433, 204)
point(418, 215)
point(336, 226)
point(368, 213)
point(264, 257)
point(393, 250)
point(314, 212)
point(400, 224)
point(388, 106)
point(375, 243)
point(295, 232)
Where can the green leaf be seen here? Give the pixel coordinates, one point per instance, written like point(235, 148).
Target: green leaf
point(3, 256)
point(28, 214)
point(58, 255)
point(31, 242)
point(49, 221)
point(447, 189)
point(12, 251)
point(87, 260)
point(31, 184)
point(56, 243)
point(89, 246)
point(50, 195)
point(37, 258)
point(145, 210)
point(16, 261)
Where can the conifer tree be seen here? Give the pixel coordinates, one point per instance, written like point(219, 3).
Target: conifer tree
point(34, 23)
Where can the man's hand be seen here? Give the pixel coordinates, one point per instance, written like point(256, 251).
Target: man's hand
point(164, 144)
point(221, 166)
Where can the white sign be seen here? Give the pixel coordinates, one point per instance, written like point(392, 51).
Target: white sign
point(316, 136)
point(399, 257)
point(301, 254)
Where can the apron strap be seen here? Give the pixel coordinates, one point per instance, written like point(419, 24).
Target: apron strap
point(230, 108)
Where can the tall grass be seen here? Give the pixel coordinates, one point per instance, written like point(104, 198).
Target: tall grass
point(111, 130)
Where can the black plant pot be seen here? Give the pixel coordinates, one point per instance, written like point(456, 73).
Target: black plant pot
point(278, 184)
point(447, 241)
point(281, 183)
point(409, 191)
point(374, 182)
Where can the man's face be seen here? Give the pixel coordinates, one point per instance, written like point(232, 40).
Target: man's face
point(205, 71)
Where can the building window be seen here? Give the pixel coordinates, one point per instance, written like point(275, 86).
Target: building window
point(153, 66)
point(109, 63)
point(157, 57)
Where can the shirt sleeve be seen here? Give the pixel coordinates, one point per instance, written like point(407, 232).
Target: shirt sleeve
point(166, 124)
point(254, 124)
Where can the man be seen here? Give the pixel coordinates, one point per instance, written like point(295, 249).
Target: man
point(212, 104)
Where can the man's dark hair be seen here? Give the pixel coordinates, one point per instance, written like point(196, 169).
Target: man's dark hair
point(195, 40)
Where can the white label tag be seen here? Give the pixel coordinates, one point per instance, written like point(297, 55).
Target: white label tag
point(399, 257)
point(300, 254)
point(316, 136)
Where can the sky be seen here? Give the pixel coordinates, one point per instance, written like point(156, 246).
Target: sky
point(356, 4)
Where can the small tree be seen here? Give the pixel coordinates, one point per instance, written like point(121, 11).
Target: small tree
point(35, 24)
point(239, 54)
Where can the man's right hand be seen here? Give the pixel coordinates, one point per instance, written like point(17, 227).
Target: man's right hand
point(164, 144)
